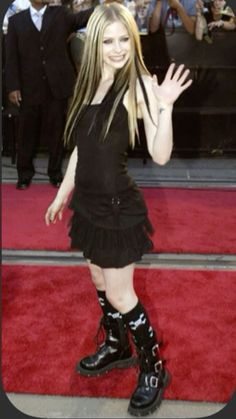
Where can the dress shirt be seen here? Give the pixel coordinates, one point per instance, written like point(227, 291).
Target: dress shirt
point(36, 14)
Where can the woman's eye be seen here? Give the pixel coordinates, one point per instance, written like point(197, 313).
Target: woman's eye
point(109, 41)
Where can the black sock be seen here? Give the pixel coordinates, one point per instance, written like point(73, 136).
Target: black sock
point(107, 308)
point(139, 325)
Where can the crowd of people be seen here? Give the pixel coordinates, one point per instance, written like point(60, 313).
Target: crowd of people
point(150, 14)
point(39, 74)
point(211, 15)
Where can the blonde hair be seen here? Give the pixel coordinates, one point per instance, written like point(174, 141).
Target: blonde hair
point(91, 69)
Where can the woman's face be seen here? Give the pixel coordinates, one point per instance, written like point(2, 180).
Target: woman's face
point(116, 47)
point(219, 4)
point(142, 8)
point(79, 5)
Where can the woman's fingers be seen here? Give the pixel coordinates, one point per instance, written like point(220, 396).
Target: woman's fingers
point(186, 85)
point(50, 217)
point(178, 72)
point(154, 79)
point(47, 218)
point(179, 75)
point(184, 76)
point(170, 71)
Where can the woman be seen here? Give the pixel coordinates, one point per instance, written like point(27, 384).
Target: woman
point(110, 223)
point(216, 15)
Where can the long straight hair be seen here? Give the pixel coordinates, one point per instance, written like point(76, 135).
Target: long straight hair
point(90, 72)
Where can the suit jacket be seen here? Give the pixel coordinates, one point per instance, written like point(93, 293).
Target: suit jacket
point(32, 57)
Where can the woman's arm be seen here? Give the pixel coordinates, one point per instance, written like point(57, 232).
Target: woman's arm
point(69, 179)
point(158, 123)
point(227, 25)
point(200, 22)
point(57, 206)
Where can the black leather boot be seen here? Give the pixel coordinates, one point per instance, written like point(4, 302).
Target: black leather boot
point(114, 352)
point(152, 380)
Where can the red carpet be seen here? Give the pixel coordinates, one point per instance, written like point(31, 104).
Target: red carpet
point(46, 328)
point(185, 220)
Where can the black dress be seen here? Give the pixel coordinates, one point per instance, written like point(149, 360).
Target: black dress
point(110, 223)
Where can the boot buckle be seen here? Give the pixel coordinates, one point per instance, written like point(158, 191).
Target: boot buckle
point(153, 381)
point(157, 366)
point(155, 349)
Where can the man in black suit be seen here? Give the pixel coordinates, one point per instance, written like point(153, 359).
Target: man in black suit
point(39, 80)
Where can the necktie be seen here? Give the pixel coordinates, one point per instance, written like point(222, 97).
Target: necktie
point(38, 21)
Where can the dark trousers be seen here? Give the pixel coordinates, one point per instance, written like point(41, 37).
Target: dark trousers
point(36, 121)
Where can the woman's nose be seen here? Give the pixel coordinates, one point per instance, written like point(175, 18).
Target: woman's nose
point(117, 46)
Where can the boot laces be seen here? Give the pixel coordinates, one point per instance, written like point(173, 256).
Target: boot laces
point(100, 335)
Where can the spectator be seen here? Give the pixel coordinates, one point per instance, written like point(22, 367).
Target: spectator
point(216, 15)
point(39, 80)
point(142, 15)
point(173, 13)
point(76, 40)
point(15, 7)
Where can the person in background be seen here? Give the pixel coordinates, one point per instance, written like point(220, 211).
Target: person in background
point(110, 223)
point(216, 14)
point(142, 15)
point(15, 7)
point(76, 39)
point(39, 80)
point(19, 5)
point(173, 14)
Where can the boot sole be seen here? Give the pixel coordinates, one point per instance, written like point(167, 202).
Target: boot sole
point(156, 403)
point(122, 363)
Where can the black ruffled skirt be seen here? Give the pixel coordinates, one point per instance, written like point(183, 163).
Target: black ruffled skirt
point(110, 247)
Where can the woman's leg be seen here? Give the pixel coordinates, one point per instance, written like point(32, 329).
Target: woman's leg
point(115, 351)
point(97, 276)
point(119, 288)
point(153, 378)
point(99, 283)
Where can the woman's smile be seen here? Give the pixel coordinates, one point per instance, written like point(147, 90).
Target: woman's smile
point(116, 46)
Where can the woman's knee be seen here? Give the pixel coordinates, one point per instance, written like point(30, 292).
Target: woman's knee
point(97, 276)
point(115, 299)
point(121, 301)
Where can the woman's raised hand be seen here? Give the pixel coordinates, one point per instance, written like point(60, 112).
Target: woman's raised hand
point(172, 86)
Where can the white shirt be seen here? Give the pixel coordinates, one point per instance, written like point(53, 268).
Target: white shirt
point(35, 13)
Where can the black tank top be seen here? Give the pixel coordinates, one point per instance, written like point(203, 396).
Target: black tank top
point(103, 187)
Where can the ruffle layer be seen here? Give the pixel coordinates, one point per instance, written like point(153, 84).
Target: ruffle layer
point(110, 248)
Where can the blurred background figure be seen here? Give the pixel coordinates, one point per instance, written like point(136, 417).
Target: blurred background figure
point(76, 39)
point(173, 14)
point(210, 15)
point(9, 111)
point(55, 2)
point(14, 7)
point(142, 15)
point(39, 81)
